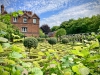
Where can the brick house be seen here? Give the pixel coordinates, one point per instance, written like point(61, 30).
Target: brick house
point(27, 23)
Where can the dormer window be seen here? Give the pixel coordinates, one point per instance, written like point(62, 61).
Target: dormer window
point(15, 19)
point(24, 20)
point(34, 20)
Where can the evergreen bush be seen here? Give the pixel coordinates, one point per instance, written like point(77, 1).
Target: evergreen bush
point(64, 40)
point(52, 41)
point(47, 39)
point(30, 42)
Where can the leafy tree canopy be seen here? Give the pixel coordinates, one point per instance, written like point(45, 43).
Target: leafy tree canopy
point(82, 25)
point(54, 28)
point(6, 25)
point(60, 32)
point(45, 28)
point(41, 34)
point(3, 26)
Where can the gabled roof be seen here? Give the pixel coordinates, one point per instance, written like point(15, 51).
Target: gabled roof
point(35, 15)
point(5, 12)
point(27, 15)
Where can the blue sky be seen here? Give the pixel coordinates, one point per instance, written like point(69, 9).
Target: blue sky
point(54, 12)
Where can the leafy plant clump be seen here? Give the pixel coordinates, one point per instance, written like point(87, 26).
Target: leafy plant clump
point(30, 43)
point(64, 40)
point(41, 39)
point(98, 37)
point(52, 41)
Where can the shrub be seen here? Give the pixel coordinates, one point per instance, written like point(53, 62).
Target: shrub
point(52, 41)
point(15, 36)
point(47, 39)
point(89, 38)
point(30, 42)
point(5, 45)
point(98, 37)
point(1, 49)
point(18, 40)
point(41, 39)
point(3, 40)
point(65, 40)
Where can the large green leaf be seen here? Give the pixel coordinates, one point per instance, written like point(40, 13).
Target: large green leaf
point(15, 14)
point(94, 44)
point(6, 45)
point(17, 72)
point(1, 50)
point(15, 55)
point(92, 58)
point(76, 69)
point(5, 73)
point(37, 71)
point(20, 68)
point(1, 70)
point(84, 71)
point(3, 27)
point(63, 60)
point(16, 49)
point(2, 40)
point(7, 61)
point(2, 32)
point(20, 12)
point(27, 65)
point(80, 69)
point(13, 69)
point(85, 52)
point(76, 52)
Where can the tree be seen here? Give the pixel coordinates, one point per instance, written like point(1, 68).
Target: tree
point(30, 43)
point(98, 29)
point(45, 28)
point(81, 25)
point(41, 34)
point(54, 28)
point(5, 18)
point(60, 32)
point(3, 26)
point(10, 29)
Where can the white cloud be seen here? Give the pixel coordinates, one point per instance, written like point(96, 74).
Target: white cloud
point(38, 6)
point(42, 6)
point(84, 10)
point(10, 9)
point(6, 3)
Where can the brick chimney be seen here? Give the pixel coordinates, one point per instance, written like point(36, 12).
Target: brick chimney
point(29, 12)
point(2, 9)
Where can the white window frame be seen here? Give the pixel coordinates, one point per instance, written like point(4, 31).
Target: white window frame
point(24, 29)
point(15, 19)
point(24, 20)
point(34, 20)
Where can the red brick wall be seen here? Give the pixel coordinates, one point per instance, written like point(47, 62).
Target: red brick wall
point(33, 29)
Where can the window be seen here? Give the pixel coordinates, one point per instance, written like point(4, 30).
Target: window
point(24, 29)
point(34, 20)
point(24, 20)
point(15, 19)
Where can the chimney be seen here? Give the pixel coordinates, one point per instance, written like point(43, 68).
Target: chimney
point(2, 9)
point(29, 12)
